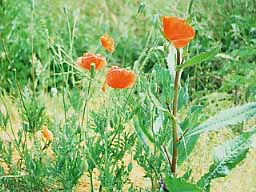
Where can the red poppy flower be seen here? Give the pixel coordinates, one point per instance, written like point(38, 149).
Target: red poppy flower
point(119, 78)
point(47, 134)
point(177, 31)
point(87, 59)
point(108, 43)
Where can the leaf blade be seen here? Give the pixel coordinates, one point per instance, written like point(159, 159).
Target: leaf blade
point(180, 185)
point(199, 58)
point(226, 157)
point(225, 118)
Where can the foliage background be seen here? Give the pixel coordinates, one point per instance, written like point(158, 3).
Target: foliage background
point(75, 27)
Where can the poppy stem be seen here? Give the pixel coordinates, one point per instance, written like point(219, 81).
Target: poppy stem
point(190, 7)
point(174, 113)
point(92, 70)
point(86, 102)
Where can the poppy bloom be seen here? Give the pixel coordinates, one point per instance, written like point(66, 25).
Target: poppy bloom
point(88, 59)
point(177, 31)
point(47, 134)
point(119, 78)
point(108, 43)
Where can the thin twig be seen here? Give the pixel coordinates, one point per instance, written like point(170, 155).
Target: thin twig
point(167, 156)
point(183, 134)
point(12, 176)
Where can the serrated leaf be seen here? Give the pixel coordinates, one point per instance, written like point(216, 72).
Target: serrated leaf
point(199, 58)
point(225, 118)
point(226, 157)
point(180, 185)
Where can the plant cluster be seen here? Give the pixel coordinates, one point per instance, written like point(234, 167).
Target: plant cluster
point(114, 118)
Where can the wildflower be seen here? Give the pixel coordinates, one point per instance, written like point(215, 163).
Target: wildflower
point(47, 134)
point(88, 59)
point(108, 43)
point(177, 31)
point(119, 78)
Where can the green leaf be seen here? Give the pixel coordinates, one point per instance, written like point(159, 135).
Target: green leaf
point(244, 52)
point(187, 144)
point(156, 102)
point(226, 157)
point(225, 118)
point(158, 123)
point(185, 147)
point(130, 166)
point(187, 174)
point(199, 58)
point(180, 185)
point(183, 97)
point(142, 132)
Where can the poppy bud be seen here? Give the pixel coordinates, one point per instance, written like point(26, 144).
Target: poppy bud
point(47, 134)
point(107, 43)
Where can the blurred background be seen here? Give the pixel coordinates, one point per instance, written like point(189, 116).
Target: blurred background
point(75, 27)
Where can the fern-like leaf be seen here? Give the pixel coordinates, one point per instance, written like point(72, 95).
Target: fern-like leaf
point(226, 157)
point(225, 118)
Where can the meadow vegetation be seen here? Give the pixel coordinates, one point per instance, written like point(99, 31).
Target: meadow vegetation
point(104, 95)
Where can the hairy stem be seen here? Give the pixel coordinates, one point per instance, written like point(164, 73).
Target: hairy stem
point(174, 112)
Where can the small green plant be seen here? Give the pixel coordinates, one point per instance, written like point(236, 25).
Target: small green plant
point(167, 108)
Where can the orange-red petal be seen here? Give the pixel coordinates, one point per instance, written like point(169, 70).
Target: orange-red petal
point(88, 59)
point(47, 134)
point(120, 78)
point(108, 43)
point(177, 31)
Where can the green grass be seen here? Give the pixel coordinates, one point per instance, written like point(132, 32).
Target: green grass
point(39, 44)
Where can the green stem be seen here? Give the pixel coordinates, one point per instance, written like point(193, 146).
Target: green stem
point(91, 181)
point(174, 112)
point(190, 6)
point(64, 104)
point(5, 49)
point(86, 101)
point(32, 50)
